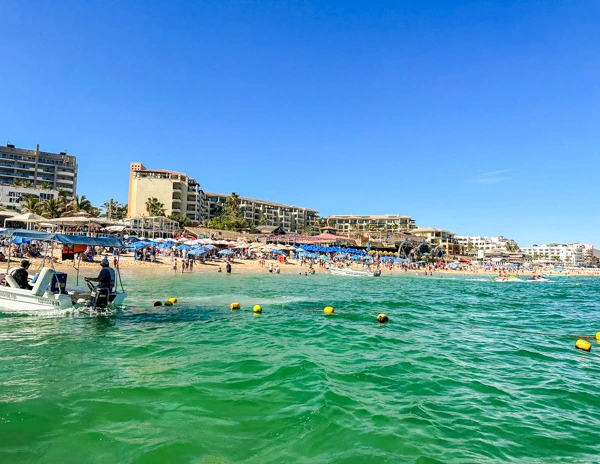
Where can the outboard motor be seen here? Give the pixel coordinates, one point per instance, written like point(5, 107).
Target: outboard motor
point(99, 298)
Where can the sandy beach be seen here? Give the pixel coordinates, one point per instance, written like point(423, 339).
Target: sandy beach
point(164, 265)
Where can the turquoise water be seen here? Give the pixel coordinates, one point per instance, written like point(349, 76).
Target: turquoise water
point(466, 371)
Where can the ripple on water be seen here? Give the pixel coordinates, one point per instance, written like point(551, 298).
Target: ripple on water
point(465, 371)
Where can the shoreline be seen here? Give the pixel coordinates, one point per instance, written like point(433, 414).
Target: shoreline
point(249, 266)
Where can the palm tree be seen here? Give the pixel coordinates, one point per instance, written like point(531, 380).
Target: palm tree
point(32, 205)
point(233, 204)
point(78, 204)
point(155, 207)
point(52, 208)
point(111, 207)
point(94, 212)
point(122, 211)
point(45, 186)
point(183, 221)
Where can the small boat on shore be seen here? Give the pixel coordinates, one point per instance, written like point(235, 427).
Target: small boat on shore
point(49, 292)
point(354, 272)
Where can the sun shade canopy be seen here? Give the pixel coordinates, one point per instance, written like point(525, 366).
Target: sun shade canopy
point(64, 239)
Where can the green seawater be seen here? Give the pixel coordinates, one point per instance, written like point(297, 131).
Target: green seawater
point(465, 371)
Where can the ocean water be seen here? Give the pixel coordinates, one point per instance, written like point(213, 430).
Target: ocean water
point(465, 371)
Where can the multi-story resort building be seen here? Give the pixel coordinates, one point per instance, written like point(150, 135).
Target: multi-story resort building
point(347, 224)
point(179, 193)
point(13, 198)
point(572, 255)
point(38, 170)
point(439, 237)
point(471, 243)
point(294, 219)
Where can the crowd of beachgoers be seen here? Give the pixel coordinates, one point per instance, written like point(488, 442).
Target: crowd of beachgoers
point(189, 255)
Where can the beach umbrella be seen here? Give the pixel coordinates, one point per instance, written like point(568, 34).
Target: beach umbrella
point(225, 252)
point(20, 240)
point(137, 245)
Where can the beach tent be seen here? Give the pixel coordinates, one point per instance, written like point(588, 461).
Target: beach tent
point(27, 218)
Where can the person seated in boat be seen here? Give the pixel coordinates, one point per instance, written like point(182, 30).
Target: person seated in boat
point(106, 278)
point(21, 275)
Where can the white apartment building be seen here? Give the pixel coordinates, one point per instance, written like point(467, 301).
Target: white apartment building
point(471, 243)
point(37, 169)
point(179, 193)
point(345, 224)
point(570, 255)
point(13, 198)
point(588, 248)
point(293, 219)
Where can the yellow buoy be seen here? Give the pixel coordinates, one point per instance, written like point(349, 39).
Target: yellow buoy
point(583, 345)
point(598, 336)
point(233, 306)
point(173, 300)
point(577, 284)
point(382, 318)
point(168, 303)
point(257, 309)
point(328, 310)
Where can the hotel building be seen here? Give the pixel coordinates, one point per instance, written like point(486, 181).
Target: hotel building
point(179, 193)
point(572, 255)
point(485, 244)
point(439, 237)
point(293, 219)
point(34, 168)
point(387, 222)
point(13, 198)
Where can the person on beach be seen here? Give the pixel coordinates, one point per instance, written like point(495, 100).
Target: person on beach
point(227, 268)
point(219, 270)
point(175, 265)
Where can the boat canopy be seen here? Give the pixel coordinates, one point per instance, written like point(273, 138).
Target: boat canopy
point(63, 239)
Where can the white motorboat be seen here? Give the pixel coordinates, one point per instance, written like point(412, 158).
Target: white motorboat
point(49, 292)
point(354, 272)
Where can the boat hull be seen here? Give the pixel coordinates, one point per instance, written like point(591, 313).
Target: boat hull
point(23, 301)
point(353, 272)
point(14, 300)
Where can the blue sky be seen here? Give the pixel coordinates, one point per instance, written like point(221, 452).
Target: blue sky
point(475, 116)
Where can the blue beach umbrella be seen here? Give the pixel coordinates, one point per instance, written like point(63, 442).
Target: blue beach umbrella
point(225, 252)
point(20, 240)
point(137, 245)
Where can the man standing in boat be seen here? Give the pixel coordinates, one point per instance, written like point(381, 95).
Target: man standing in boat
point(106, 278)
